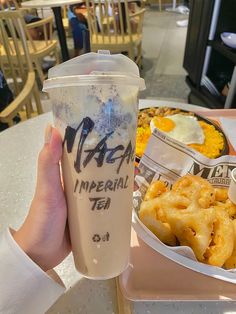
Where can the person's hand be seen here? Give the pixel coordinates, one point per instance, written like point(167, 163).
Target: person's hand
point(44, 234)
point(80, 16)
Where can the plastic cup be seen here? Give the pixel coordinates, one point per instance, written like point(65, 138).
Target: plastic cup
point(95, 103)
point(232, 187)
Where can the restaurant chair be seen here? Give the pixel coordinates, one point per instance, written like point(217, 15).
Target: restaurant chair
point(20, 69)
point(39, 48)
point(113, 27)
point(65, 21)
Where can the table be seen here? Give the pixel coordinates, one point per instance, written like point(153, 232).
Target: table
point(20, 146)
point(56, 7)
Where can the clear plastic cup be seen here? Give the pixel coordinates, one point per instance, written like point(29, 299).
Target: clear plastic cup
point(95, 103)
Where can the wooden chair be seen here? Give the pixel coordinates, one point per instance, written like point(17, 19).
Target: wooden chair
point(65, 21)
point(41, 48)
point(20, 68)
point(115, 29)
point(38, 49)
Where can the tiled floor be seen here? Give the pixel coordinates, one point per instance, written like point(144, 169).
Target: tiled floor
point(163, 51)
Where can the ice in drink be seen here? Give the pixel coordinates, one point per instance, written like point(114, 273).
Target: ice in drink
point(97, 120)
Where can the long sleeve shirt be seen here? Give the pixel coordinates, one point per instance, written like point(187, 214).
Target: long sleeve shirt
point(24, 287)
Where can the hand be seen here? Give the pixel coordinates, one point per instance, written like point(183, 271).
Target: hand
point(44, 234)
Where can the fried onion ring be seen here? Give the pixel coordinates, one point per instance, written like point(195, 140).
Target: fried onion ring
point(231, 261)
point(155, 189)
point(192, 227)
point(195, 214)
point(228, 207)
point(148, 214)
point(195, 188)
point(222, 244)
point(221, 195)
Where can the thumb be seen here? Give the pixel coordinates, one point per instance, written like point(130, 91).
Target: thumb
point(48, 177)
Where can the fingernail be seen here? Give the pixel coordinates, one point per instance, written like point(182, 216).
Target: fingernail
point(48, 134)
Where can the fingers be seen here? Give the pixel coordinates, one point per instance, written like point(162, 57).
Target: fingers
point(48, 179)
point(53, 144)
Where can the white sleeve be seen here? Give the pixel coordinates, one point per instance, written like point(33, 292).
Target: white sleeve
point(24, 287)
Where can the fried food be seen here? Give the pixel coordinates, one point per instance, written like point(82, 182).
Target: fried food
point(172, 199)
point(155, 189)
point(160, 229)
point(153, 217)
point(231, 261)
point(222, 244)
point(195, 214)
point(195, 188)
point(221, 195)
point(228, 207)
point(156, 207)
point(193, 227)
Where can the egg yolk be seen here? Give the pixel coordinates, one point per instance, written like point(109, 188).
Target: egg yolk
point(163, 124)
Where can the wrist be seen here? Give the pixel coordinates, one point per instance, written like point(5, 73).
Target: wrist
point(25, 244)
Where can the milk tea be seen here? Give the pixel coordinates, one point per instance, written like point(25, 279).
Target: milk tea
point(95, 109)
point(98, 171)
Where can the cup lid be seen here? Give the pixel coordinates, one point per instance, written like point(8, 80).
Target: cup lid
point(95, 68)
point(232, 187)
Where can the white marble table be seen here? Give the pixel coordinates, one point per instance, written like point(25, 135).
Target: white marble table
point(48, 3)
point(20, 146)
point(56, 7)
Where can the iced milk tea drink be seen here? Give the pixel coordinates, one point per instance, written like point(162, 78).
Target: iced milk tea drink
point(95, 107)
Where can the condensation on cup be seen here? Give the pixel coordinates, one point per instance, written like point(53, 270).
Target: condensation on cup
point(95, 103)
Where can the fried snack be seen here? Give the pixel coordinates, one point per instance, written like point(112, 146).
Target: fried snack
point(150, 214)
point(221, 246)
point(160, 229)
point(194, 214)
point(172, 199)
point(228, 207)
point(156, 207)
point(193, 227)
point(221, 195)
point(155, 189)
point(195, 188)
point(231, 261)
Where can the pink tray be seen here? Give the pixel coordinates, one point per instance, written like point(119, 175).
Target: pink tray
point(227, 113)
point(220, 113)
point(153, 277)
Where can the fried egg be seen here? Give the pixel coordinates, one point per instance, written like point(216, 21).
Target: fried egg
point(183, 128)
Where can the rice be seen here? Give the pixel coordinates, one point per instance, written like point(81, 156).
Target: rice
point(143, 134)
point(211, 148)
point(214, 141)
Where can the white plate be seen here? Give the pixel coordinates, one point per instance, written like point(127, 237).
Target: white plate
point(147, 103)
point(175, 253)
point(229, 39)
point(164, 280)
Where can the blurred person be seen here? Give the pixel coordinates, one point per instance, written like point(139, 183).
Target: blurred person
point(79, 27)
point(35, 33)
point(186, 3)
point(6, 97)
point(134, 6)
point(40, 244)
point(98, 14)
